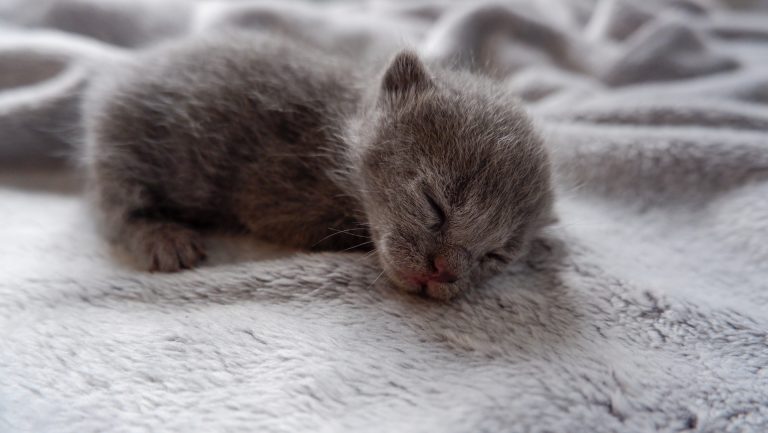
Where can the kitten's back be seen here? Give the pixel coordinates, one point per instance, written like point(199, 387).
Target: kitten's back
point(227, 130)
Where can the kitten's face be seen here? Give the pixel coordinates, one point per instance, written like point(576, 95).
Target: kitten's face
point(455, 183)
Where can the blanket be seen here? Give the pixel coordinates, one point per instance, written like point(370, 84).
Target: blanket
point(645, 308)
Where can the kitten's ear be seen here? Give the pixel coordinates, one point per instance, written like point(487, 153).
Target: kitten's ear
point(406, 73)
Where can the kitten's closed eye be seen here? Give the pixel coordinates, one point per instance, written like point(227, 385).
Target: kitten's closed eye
point(498, 256)
point(438, 212)
point(501, 254)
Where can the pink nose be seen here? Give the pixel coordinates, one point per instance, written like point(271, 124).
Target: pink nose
point(441, 272)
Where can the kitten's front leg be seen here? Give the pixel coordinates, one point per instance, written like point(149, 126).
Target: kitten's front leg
point(155, 243)
point(163, 246)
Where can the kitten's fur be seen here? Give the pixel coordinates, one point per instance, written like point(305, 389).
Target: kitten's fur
point(440, 169)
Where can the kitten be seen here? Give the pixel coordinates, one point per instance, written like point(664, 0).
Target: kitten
point(440, 171)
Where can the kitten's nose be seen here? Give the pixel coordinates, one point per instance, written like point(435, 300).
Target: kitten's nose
point(441, 272)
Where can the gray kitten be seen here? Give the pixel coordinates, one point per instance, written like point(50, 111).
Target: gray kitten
point(441, 170)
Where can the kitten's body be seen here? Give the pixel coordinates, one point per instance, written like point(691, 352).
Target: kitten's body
point(245, 132)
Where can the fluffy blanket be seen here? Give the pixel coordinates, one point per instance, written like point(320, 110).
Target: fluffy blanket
point(644, 309)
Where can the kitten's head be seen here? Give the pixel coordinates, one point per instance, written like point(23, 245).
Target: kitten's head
point(453, 179)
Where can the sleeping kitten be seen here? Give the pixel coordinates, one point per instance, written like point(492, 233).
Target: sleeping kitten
point(440, 171)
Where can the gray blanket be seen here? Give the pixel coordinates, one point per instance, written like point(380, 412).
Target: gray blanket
point(645, 308)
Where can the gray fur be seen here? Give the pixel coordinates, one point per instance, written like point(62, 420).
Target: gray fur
point(249, 132)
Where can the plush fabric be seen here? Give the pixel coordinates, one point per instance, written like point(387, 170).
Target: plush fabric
point(645, 307)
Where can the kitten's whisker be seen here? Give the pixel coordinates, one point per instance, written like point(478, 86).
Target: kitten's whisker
point(315, 244)
point(337, 231)
point(358, 245)
point(567, 225)
point(329, 236)
point(368, 254)
point(348, 232)
point(374, 281)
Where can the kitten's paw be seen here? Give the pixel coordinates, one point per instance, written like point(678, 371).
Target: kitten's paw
point(168, 247)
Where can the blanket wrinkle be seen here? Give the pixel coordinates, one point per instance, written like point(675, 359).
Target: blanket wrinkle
point(642, 309)
point(661, 51)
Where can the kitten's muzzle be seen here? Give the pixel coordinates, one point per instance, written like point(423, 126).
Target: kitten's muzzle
point(441, 273)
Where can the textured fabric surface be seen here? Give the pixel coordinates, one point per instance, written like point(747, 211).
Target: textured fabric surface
point(644, 309)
